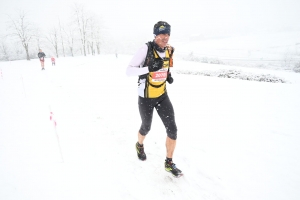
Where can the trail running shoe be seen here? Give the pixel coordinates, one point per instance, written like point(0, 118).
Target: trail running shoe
point(140, 151)
point(171, 167)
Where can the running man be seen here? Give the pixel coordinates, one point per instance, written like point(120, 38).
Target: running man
point(152, 64)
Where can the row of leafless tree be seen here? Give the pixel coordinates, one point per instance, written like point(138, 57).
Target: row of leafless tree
point(83, 34)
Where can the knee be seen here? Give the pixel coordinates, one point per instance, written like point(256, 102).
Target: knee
point(172, 133)
point(144, 130)
point(173, 136)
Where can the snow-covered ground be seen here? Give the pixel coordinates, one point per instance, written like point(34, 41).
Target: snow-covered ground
point(237, 139)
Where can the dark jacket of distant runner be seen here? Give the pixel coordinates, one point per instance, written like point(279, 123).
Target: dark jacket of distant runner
point(41, 56)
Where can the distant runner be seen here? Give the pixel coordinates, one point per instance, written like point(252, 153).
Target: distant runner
point(42, 56)
point(53, 61)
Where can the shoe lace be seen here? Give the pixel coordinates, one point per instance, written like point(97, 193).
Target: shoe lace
point(141, 150)
point(172, 165)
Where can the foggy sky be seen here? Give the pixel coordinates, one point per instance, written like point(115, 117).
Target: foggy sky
point(134, 18)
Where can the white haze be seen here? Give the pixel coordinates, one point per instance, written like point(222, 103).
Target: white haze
point(132, 20)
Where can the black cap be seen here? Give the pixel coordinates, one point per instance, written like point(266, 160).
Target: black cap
point(162, 27)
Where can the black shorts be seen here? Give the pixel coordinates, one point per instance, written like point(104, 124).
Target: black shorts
point(165, 111)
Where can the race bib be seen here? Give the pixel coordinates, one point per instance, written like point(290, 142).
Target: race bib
point(159, 76)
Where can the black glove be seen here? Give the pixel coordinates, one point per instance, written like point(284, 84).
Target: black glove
point(170, 79)
point(155, 65)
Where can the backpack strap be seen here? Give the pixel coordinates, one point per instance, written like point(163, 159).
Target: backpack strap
point(149, 53)
point(147, 59)
point(171, 51)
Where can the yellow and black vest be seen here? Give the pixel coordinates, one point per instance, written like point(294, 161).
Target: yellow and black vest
point(155, 82)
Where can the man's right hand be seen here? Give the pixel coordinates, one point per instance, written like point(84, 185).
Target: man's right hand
point(155, 65)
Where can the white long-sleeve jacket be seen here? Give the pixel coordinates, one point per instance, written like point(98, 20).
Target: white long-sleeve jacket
point(135, 67)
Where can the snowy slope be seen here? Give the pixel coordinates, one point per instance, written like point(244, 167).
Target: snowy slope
point(264, 49)
point(237, 139)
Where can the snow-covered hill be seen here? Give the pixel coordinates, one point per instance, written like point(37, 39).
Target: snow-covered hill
point(237, 139)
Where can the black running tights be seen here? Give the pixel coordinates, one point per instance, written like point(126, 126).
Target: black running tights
point(165, 111)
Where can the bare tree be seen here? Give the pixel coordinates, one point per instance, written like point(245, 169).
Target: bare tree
point(88, 46)
point(37, 37)
point(70, 39)
point(95, 35)
point(93, 26)
point(61, 38)
point(23, 30)
point(82, 20)
point(4, 55)
point(98, 39)
point(53, 39)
